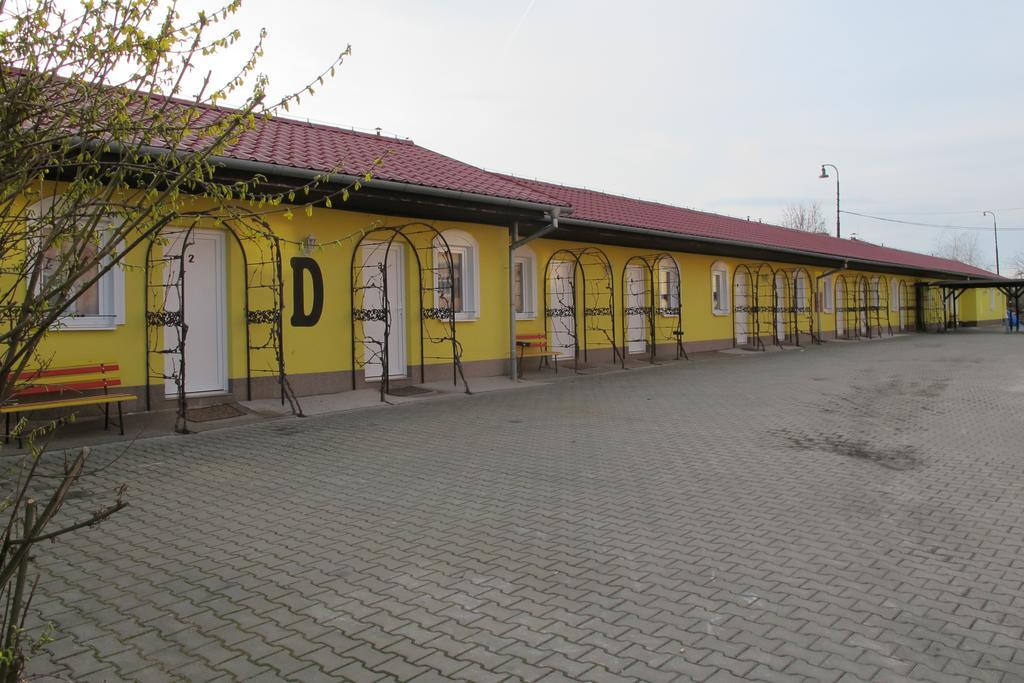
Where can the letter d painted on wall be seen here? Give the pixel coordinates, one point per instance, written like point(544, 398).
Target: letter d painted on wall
point(300, 266)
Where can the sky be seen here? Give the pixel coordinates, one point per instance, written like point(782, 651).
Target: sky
point(724, 106)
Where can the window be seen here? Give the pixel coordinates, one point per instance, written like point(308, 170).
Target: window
point(800, 291)
point(462, 281)
point(719, 289)
point(826, 295)
point(668, 288)
point(101, 305)
point(523, 288)
point(894, 294)
point(876, 293)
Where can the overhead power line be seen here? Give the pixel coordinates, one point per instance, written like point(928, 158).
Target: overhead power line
point(940, 226)
point(947, 213)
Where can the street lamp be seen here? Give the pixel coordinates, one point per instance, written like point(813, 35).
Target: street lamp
point(824, 174)
point(995, 233)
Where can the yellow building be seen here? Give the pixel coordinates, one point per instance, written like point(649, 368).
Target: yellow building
point(437, 268)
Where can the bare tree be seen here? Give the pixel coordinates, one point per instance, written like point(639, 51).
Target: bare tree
point(958, 246)
point(1018, 264)
point(101, 147)
point(806, 217)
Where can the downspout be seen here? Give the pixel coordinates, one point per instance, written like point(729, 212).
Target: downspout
point(817, 282)
point(514, 243)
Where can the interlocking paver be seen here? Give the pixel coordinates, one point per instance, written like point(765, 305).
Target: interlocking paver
point(400, 669)
point(848, 511)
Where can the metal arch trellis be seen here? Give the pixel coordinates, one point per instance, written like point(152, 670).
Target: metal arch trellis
point(799, 307)
point(863, 290)
point(878, 306)
point(755, 305)
point(655, 298)
point(847, 310)
point(370, 300)
point(908, 307)
point(931, 309)
point(164, 314)
point(590, 286)
point(165, 302)
point(784, 328)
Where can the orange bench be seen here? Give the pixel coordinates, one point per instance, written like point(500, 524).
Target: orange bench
point(534, 346)
point(64, 388)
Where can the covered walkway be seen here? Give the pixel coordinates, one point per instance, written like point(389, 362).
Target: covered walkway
point(953, 289)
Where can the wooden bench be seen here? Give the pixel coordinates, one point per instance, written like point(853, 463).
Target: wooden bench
point(54, 388)
point(534, 346)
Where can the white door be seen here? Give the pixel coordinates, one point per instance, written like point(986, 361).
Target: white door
point(780, 307)
point(563, 309)
point(393, 330)
point(801, 302)
point(840, 304)
point(636, 323)
point(205, 305)
point(741, 306)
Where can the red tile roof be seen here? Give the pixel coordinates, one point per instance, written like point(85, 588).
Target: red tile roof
point(321, 148)
point(615, 210)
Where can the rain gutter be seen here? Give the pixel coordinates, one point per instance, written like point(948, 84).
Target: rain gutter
point(264, 168)
point(817, 285)
point(817, 255)
point(514, 243)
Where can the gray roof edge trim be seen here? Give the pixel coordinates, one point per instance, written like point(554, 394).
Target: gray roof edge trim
point(764, 247)
point(393, 185)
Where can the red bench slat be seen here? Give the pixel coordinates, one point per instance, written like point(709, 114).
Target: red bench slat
point(37, 389)
point(64, 372)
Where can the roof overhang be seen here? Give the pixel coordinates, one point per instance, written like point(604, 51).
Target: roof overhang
point(581, 230)
point(979, 283)
point(388, 197)
point(1012, 288)
point(378, 196)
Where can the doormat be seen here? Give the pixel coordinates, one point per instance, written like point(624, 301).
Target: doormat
point(409, 391)
point(220, 411)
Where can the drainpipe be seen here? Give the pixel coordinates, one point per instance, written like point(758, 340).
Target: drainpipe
point(514, 243)
point(817, 282)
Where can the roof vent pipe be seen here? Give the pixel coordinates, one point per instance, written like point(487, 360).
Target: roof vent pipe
point(817, 280)
point(514, 242)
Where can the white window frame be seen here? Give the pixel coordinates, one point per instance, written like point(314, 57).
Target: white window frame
point(525, 257)
point(460, 242)
point(665, 271)
point(724, 300)
point(111, 292)
point(894, 293)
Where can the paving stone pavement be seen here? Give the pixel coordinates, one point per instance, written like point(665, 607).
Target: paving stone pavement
point(849, 512)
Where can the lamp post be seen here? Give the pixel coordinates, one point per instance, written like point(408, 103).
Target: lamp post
point(995, 233)
point(824, 174)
